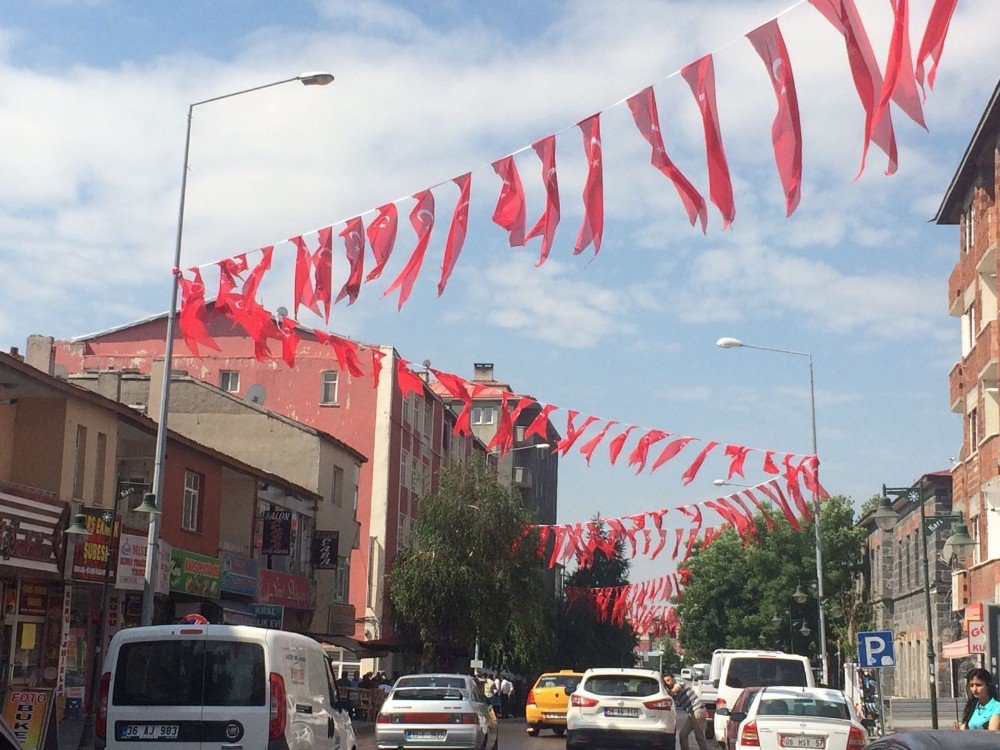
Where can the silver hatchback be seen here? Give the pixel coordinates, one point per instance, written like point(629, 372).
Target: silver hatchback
point(436, 711)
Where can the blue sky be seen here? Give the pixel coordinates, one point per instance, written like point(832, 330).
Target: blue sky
point(93, 99)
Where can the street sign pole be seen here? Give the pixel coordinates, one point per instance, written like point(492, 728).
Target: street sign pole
point(881, 703)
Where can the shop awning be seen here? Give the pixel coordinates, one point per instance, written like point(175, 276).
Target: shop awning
point(956, 649)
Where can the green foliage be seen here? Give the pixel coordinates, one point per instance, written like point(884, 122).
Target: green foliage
point(460, 579)
point(869, 506)
point(736, 591)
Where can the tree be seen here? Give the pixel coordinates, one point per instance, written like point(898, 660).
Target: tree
point(739, 596)
point(580, 639)
point(466, 575)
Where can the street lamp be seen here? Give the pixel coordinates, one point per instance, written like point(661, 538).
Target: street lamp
point(307, 79)
point(724, 483)
point(727, 342)
point(958, 543)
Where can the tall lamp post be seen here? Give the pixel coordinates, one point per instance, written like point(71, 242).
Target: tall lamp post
point(959, 543)
point(731, 343)
point(152, 503)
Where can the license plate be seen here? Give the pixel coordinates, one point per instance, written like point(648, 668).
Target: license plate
point(630, 713)
point(811, 743)
point(423, 734)
point(553, 716)
point(148, 732)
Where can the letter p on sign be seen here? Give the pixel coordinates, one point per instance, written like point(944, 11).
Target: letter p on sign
point(875, 649)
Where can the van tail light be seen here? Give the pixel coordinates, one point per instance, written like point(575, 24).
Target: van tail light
point(661, 704)
point(748, 737)
point(856, 738)
point(101, 719)
point(278, 715)
point(531, 698)
point(582, 701)
point(720, 703)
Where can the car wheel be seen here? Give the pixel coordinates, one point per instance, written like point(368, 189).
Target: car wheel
point(558, 731)
point(532, 731)
point(672, 742)
point(570, 741)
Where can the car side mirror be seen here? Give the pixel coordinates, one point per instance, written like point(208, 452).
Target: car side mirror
point(737, 716)
point(722, 711)
point(715, 684)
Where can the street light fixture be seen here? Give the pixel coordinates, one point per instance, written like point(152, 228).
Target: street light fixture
point(958, 543)
point(724, 483)
point(727, 342)
point(307, 79)
point(800, 596)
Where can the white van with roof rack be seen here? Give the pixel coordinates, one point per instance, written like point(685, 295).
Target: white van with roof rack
point(197, 686)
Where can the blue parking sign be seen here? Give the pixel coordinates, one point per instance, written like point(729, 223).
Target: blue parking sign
point(875, 649)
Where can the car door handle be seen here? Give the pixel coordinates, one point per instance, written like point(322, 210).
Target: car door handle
point(303, 708)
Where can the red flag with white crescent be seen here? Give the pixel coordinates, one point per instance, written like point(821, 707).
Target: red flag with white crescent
point(932, 45)
point(510, 211)
point(354, 248)
point(382, 238)
point(407, 380)
point(303, 294)
point(456, 233)
point(422, 220)
point(193, 317)
point(647, 120)
point(588, 448)
point(323, 269)
point(786, 130)
point(592, 228)
point(549, 220)
point(617, 443)
point(641, 450)
point(700, 76)
point(900, 84)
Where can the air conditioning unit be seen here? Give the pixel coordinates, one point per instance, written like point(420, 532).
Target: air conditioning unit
point(522, 476)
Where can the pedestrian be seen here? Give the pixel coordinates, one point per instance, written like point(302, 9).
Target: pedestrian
point(492, 690)
point(690, 713)
point(982, 710)
point(506, 695)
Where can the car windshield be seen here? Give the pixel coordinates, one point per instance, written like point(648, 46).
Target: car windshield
point(804, 707)
point(761, 672)
point(428, 694)
point(189, 673)
point(565, 681)
point(431, 681)
point(623, 685)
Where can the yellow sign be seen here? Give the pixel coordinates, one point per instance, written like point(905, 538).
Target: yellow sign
point(28, 712)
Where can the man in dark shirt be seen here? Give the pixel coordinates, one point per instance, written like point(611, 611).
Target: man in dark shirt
point(690, 707)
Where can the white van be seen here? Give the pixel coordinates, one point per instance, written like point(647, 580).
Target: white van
point(219, 687)
point(739, 669)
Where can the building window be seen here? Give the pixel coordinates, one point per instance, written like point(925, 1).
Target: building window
point(519, 433)
point(357, 482)
point(329, 387)
point(338, 486)
point(483, 415)
point(428, 420)
point(404, 469)
point(341, 579)
point(969, 227)
point(102, 457)
point(229, 380)
point(974, 435)
point(191, 519)
point(80, 462)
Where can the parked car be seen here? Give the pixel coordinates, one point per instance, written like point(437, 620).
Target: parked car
point(197, 685)
point(621, 707)
point(742, 669)
point(943, 739)
point(439, 711)
point(778, 718)
point(545, 707)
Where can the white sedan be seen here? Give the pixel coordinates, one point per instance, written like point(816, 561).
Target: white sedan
point(620, 707)
point(794, 718)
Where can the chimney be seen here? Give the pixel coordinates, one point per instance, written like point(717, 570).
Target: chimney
point(109, 385)
point(41, 353)
point(482, 372)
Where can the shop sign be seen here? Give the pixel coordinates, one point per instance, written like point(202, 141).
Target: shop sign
point(977, 637)
point(269, 615)
point(33, 598)
point(191, 573)
point(31, 532)
point(325, 549)
point(277, 536)
point(90, 554)
point(132, 564)
point(239, 574)
point(285, 589)
point(341, 619)
point(27, 713)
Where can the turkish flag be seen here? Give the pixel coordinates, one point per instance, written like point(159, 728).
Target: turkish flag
point(377, 356)
point(323, 269)
point(647, 119)
point(540, 424)
point(673, 448)
point(900, 83)
point(932, 45)
point(289, 340)
point(639, 454)
point(456, 233)
point(593, 190)
point(573, 433)
point(407, 380)
point(786, 131)
point(303, 293)
point(510, 211)
point(700, 76)
point(354, 248)
point(617, 443)
point(193, 315)
point(230, 270)
point(588, 448)
point(422, 220)
point(549, 220)
point(382, 237)
point(866, 74)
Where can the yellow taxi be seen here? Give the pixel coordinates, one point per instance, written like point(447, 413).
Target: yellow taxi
point(547, 701)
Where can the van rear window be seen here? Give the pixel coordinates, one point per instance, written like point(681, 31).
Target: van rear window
point(758, 672)
point(189, 673)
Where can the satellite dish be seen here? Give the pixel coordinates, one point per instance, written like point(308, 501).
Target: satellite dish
point(281, 312)
point(256, 394)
